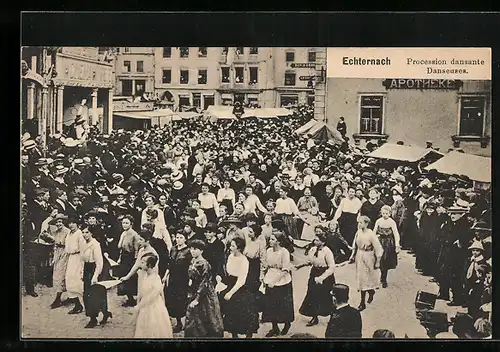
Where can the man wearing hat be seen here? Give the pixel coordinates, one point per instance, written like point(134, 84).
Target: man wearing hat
point(456, 237)
point(29, 253)
point(345, 321)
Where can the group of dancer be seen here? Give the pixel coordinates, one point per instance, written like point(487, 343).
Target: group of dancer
point(206, 219)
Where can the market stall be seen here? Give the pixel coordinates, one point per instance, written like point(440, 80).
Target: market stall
point(404, 153)
point(476, 168)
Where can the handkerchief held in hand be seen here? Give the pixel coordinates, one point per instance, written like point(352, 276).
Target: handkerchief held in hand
point(262, 289)
point(108, 283)
point(220, 287)
point(112, 263)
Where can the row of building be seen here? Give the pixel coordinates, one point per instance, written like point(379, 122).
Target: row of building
point(204, 76)
point(100, 83)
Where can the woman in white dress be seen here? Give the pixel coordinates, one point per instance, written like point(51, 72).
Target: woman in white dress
point(74, 270)
point(366, 252)
point(153, 320)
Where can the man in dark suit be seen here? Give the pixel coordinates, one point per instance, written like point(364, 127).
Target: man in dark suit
point(345, 321)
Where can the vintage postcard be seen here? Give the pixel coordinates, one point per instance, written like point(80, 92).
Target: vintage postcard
point(255, 192)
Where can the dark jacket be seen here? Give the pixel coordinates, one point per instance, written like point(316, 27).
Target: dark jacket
point(344, 323)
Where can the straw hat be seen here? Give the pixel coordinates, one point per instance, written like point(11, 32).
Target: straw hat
point(58, 217)
point(61, 170)
point(477, 245)
point(177, 185)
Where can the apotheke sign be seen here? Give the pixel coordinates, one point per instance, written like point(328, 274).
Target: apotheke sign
point(440, 84)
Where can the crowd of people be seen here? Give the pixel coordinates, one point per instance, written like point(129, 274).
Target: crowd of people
point(200, 221)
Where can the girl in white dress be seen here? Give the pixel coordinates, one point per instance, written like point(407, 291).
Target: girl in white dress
point(153, 320)
point(366, 252)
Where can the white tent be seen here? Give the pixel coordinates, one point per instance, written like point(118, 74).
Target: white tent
point(306, 127)
point(401, 152)
point(477, 168)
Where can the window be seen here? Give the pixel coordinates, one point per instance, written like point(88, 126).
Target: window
point(253, 51)
point(126, 66)
point(197, 100)
point(253, 100)
point(471, 116)
point(167, 51)
point(289, 78)
point(140, 87)
point(184, 51)
point(184, 101)
point(202, 76)
point(140, 66)
point(371, 114)
point(202, 52)
point(127, 87)
point(239, 74)
point(254, 75)
point(184, 78)
point(126, 49)
point(311, 56)
point(289, 100)
point(167, 77)
point(239, 50)
point(208, 100)
point(225, 75)
point(290, 56)
point(239, 97)
point(310, 99)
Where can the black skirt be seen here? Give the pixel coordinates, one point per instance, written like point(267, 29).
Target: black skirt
point(348, 225)
point(95, 297)
point(228, 204)
point(239, 314)
point(389, 258)
point(176, 293)
point(210, 214)
point(318, 300)
point(253, 281)
point(278, 304)
point(129, 287)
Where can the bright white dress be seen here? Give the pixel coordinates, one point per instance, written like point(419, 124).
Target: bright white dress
point(153, 320)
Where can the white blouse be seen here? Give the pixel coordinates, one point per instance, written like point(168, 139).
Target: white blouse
point(324, 259)
point(389, 223)
point(351, 206)
point(278, 265)
point(74, 242)
point(208, 201)
point(226, 194)
point(252, 203)
point(286, 206)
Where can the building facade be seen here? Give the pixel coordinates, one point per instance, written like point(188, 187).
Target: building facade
point(74, 80)
point(134, 71)
point(255, 76)
point(448, 113)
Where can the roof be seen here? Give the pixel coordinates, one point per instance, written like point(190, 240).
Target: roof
point(477, 168)
point(146, 114)
point(226, 112)
point(401, 152)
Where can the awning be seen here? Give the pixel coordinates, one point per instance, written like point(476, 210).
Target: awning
point(402, 152)
point(306, 127)
point(477, 168)
point(146, 114)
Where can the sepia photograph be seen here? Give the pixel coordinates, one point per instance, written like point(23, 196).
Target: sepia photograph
point(245, 192)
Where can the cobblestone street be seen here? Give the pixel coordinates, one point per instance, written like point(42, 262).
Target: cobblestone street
point(392, 308)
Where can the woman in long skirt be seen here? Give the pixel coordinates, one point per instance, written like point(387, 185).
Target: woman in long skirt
point(145, 248)
point(278, 297)
point(153, 321)
point(387, 231)
point(177, 288)
point(208, 203)
point(318, 300)
point(367, 252)
point(226, 196)
point(255, 251)
point(74, 270)
point(129, 247)
point(60, 259)
point(287, 211)
point(203, 315)
point(347, 214)
point(94, 296)
point(239, 311)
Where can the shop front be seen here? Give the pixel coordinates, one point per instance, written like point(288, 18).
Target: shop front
point(448, 113)
point(129, 115)
point(83, 86)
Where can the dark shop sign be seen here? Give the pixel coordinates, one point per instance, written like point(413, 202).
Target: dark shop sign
point(421, 84)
